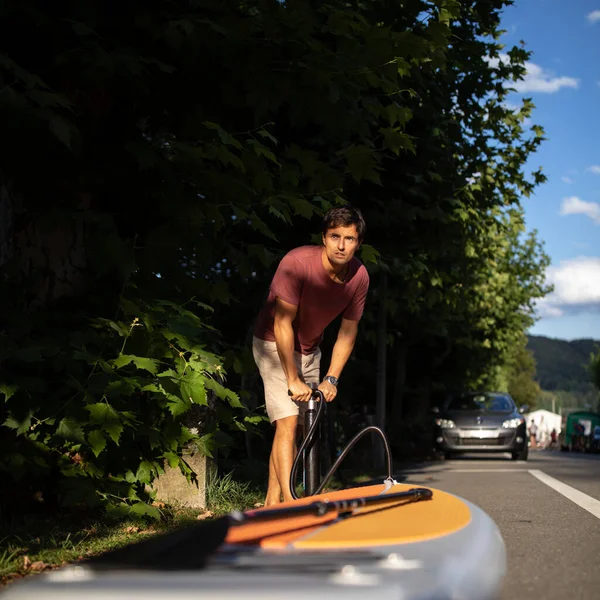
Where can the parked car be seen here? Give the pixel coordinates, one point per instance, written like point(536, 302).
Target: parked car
point(481, 422)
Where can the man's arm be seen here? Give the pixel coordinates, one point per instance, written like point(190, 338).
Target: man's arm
point(341, 353)
point(285, 313)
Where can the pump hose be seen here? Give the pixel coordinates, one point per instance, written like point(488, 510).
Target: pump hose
point(311, 434)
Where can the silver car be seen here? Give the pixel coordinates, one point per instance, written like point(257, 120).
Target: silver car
point(481, 422)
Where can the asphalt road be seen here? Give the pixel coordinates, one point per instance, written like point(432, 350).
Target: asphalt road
point(553, 543)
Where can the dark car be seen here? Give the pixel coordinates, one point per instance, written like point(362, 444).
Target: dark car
point(481, 422)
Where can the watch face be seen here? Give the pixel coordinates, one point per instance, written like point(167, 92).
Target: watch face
point(331, 379)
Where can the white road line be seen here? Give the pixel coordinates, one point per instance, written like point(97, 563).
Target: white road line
point(583, 500)
point(485, 462)
point(486, 471)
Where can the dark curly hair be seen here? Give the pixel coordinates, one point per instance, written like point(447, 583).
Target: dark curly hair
point(344, 216)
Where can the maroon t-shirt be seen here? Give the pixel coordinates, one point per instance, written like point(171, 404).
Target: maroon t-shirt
point(301, 280)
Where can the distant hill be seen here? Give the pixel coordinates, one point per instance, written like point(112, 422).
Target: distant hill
point(561, 365)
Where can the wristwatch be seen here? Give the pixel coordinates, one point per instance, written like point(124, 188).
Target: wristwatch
point(331, 379)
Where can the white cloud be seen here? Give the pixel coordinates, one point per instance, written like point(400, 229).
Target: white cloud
point(567, 179)
point(536, 78)
point(594, 169)
point(540, 80)
point(576, 206)
point(576, 288)
point(594, 16)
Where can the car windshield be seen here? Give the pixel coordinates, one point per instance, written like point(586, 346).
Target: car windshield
point(485, 402)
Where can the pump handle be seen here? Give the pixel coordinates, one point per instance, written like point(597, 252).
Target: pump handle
point(316, 394)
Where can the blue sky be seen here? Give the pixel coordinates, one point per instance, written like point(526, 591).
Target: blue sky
point(563, 79)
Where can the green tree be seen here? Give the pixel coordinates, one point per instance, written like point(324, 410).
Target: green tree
point(449, 227)
point(521, 378)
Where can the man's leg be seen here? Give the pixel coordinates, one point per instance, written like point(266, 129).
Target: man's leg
point(282, 458)
point(273, 489)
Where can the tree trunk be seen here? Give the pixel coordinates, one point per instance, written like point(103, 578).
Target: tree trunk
point(7, 219)
point(53, 255)
point(398, 396)
point(48, 252)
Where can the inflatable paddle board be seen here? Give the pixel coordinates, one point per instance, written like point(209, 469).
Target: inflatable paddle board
point(377, 542)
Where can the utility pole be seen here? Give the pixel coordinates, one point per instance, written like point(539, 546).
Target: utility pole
point(381, 367)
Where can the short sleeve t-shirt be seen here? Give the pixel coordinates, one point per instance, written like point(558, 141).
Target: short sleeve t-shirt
point(301, 280)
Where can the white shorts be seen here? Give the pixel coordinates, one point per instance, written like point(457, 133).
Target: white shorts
point(279, 404)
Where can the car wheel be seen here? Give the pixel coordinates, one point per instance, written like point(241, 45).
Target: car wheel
point(522, 455)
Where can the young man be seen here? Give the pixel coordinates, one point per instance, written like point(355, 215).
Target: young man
point(312, 286)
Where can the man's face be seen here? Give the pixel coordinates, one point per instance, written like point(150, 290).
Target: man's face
point(340, 244)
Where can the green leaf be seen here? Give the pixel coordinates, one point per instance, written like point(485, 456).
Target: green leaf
point(206, 445)
point(192, 387)
point(168, 373)
point(226, 138)
point(185, 436)
point(177, 406)
point(70, 430)
point(121, 387)
point(395, 139)
point(224, 393)
point(105, 415)
point(254, 419)
point(265, 134)
point(539, 131)
point(130, 476)
point(361, 163)
point(368, 254)
point(277, 213)
point(148, 364)
point(145, 472)
point(302, 207)
point(119, 327)
point(398, 114)
point(172, 459)
point(259, 225)
point(20, 425)
point(141, 509)
point(97, 441)
point(8, 390)
point(118, 511)
point(262, 150)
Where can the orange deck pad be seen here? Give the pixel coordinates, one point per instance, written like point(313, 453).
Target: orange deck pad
point(409, 522)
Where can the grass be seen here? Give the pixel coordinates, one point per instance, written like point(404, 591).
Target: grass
point(226, 494)
point(38, 542)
